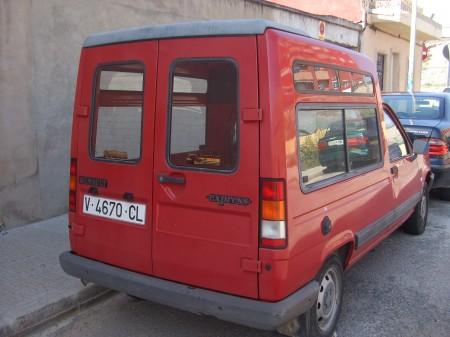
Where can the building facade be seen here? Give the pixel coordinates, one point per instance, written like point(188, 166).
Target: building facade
point(385, 32)
point(40, 43)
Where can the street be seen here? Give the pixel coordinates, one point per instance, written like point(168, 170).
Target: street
point(400, 289)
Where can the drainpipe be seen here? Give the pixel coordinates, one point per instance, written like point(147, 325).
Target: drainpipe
point(412, 44)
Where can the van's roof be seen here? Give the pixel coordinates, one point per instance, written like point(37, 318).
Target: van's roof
point(188, 29)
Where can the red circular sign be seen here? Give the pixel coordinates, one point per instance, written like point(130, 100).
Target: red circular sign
point(322, 28)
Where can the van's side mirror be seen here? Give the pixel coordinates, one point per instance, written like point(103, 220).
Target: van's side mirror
point(420, 146)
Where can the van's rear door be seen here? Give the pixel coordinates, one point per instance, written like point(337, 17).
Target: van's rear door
point(115, 123)
point(206, 174)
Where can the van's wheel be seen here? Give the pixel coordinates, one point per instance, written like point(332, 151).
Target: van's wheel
point(418, 220)
point(325, 313)
point(321, 319)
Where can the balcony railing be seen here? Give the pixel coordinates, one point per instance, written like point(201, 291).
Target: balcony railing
point(384, 13)
point(385, 7)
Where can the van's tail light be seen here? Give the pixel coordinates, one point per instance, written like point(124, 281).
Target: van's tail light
point(273, 234)
point(437, 147)
point(73, 185)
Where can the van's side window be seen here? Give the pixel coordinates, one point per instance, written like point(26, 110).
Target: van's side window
point(327, 79)
point(362, 137)
point(322, 79)
point(304, 77)
point(362, 84)
point(345, 79)
point(321, 144)
point(204, 115)
point(336, 141)
point(116, 121)
point(396, 143)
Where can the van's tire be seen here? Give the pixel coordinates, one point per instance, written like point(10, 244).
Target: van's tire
point(417, 222)
point(322, 318)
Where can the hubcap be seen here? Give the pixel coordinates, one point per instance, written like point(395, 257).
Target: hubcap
point(328, 298)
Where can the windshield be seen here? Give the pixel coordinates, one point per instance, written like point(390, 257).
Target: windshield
point(419, 107)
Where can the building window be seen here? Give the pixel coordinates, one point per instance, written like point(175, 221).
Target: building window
point(380, 69)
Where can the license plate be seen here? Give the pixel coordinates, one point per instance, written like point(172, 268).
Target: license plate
point(114, 209)
point(336, 142)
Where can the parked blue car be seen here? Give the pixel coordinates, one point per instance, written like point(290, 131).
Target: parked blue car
point(427, 115)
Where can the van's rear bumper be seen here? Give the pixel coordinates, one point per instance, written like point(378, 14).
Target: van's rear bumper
point(253, 313)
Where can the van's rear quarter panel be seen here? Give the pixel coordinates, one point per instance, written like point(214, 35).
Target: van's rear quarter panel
point(349, 204)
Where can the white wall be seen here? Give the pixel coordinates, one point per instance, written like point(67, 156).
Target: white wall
point(375, 41)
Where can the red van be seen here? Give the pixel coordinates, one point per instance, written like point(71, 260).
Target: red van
point(235, 169)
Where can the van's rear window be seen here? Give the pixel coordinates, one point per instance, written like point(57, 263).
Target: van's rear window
point(204, 115)
point(117, 118)
point(325, 79)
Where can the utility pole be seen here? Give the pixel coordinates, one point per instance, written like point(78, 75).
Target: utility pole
point(412, 45)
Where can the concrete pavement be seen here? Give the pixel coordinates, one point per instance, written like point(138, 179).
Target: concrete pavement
point(33, 287)
point(400, 289)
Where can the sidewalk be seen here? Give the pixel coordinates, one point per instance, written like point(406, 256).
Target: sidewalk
point(33, 287)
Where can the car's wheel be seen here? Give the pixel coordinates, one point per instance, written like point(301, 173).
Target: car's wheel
point(418, 220)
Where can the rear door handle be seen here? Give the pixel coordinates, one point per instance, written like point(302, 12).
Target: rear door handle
point(166, 179)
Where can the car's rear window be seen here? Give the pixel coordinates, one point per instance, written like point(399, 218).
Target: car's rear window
point(418, 107)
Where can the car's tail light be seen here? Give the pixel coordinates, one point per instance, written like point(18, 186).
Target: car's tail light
point(356, 141)
point(322, 146)
point(73, 185)
point(273, 233)
point(437, 147)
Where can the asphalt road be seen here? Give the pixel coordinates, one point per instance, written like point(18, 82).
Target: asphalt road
point(400, 289)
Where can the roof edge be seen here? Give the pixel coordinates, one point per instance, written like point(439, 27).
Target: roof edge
point(189, 29)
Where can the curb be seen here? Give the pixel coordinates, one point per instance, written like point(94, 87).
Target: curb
point(51, 311)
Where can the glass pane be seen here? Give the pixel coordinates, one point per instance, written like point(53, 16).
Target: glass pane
point(418, 107)
point(362, 84)
point(204, 115)
point(115, 80)
point(363, 145)
point(303, 77)
point(116, 131)
point(321, 144)
point(327, 79)
point(380, 69)
point(396, 143)
point(189, 85)
point(345, 79)
point(188, 128)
